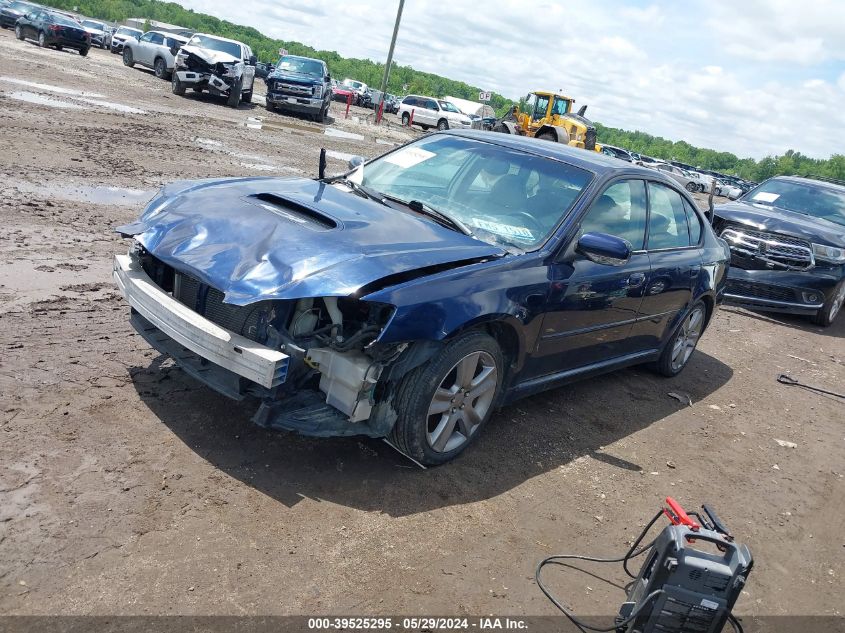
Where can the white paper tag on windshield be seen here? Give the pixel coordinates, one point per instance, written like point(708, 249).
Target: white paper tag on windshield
point(408, 157)
point(765, 196)
point(503, 229)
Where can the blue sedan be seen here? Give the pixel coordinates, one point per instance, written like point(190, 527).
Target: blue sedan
point(412, 296)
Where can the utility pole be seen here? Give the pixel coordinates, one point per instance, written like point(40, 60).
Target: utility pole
point(390, 52)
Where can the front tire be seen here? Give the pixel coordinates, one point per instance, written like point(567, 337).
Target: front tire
point(177, 86)
point(442, 125)
point(18, 33)
point(127, 57)
point(247, 97)
point(444, 403)
point(406, 119)
point(83, 52)
point(682, 344)
point(42, 40)
point(234, 97)
point(832, 307)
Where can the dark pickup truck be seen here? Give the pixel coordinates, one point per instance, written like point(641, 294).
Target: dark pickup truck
point(300, 84)
point(787, 240)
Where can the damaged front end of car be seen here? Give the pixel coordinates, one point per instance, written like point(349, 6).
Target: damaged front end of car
point(196, 71)
point(262, 287)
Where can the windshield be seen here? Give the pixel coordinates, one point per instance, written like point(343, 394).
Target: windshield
point(21, 6)
point(98, 26)
point(448, 106)
point(125, 30)
point(352, 84)
point(503, 195)
point(212, 43)
point(300, 65)
point(816, 200)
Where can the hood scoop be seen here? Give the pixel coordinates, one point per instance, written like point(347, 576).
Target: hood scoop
point(293, 211)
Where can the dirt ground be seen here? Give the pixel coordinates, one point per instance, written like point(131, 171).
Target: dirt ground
point(126, 488)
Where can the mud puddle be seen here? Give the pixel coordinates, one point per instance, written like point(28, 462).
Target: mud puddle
point(117, 196)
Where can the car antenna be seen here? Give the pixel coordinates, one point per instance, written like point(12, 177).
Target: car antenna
point(322, 168)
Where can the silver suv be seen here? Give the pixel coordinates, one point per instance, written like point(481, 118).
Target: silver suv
point(429, 112)
point(156, 50)
point(122, 35)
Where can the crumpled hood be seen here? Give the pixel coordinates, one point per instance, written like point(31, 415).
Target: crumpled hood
point(274, 238)
point(777, 220)
point(210, 56)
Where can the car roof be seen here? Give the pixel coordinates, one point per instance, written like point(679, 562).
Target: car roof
point(838, 186)
point(175, 36)
point(310, 59)
point(585, 159)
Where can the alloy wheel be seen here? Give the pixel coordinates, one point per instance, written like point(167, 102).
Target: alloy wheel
point(687, 338)
point(461, 402)
point(838, 301)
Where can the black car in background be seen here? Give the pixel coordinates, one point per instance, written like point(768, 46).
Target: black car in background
point(787, 239)
point(10, 12)
point(53, 29)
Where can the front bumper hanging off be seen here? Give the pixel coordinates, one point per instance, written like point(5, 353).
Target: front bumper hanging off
point(173, 328)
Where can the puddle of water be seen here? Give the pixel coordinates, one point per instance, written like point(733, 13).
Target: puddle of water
point(114, 106)
point(31, 97)
point(329, 131)
point(49, 88)
point(339, 155)
point(207, 141)
point(118, 196)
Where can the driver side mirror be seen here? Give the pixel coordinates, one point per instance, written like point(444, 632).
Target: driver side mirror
point(328, 77)
point(602, 248)
point(252, 60)
point(174, 49)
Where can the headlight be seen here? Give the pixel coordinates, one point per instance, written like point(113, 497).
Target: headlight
point(829, 253)
point(318, 91)
point(181, 60)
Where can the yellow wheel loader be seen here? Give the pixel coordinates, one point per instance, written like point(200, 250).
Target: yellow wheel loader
point(548, 116)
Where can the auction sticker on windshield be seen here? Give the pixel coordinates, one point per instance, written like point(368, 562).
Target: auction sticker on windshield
point(503, 229)
point(765, 196)
point(408, 157)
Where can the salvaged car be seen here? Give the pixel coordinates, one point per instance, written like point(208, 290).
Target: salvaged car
point(300, 84)
point(54, 30)
point(156, 50)
point(787, 240)
point(122, 35)
point(219, 65)
point(97, 31)
point(412, 296)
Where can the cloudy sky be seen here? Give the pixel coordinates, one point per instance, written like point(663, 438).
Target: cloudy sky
point(754, 77)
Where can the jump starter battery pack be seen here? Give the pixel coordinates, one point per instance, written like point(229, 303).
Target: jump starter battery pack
point(701, 573)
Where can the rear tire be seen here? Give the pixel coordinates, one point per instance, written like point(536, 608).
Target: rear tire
point(177, 86)
point(502, 128)
point(683, 342)
point(247, 97)
point(429, 428)
point(406, 119)
point(691, 187)
point(83, 52)
point(160, 68)
point(127, 57)
point(832, 307)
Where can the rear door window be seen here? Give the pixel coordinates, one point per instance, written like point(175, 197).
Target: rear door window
point(694, 221)
point(619, 211)
point(667, 221)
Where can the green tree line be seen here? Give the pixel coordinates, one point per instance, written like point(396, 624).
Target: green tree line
point(417, 82)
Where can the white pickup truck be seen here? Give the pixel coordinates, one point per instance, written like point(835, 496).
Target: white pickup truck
point(219, 65)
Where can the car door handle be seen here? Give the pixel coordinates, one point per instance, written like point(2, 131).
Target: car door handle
point(636, 279)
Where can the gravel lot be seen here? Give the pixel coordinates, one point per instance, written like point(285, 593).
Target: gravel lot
point(127, 488)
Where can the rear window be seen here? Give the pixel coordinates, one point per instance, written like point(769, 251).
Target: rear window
point(63, 20)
